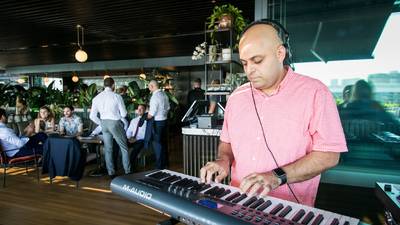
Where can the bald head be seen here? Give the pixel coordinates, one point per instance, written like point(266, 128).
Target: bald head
point(153, 85)
point(262, 54)
point(263, 34)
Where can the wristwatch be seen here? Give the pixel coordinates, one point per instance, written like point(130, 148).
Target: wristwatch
point(280, 173)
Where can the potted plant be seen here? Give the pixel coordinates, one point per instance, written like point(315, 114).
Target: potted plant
point(226, 16)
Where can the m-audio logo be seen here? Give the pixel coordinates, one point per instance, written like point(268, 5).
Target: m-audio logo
point(135, 191)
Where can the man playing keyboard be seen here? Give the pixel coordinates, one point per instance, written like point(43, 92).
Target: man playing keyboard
point(282, 129)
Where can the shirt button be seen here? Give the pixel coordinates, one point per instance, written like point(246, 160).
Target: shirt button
point(262, 118)
point(254, 158)
point(258, 138)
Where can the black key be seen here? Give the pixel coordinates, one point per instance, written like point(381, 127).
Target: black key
point(264, 205)
point(227, 191)
point(240, 198)
point(335, 222)
point(318, 220)
point(179, 183)
point(257, 203)
point(159, 175)
point(197, 186)
point(205, 187)
point(277, 208)
point(298, 215)
point(219, 192)
point(285, 211)
point(308, 218)
point(211, 190)
point(171, 179)
point(346, 223)
point(249, 201)
point(232, 196)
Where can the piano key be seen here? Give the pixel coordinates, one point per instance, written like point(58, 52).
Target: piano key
point(285, 211)
point(211, 190)
point(318, 220)
point(335, 221)
point(265, 205)
point(250, 201)
point(219, 192)
point(158, 175)
point(298, 215)
point(232, 196)
point(240, 198)
point(308, 218)
point(171, 179)
point(205, 187)
point(257, 203)
point(276, 209)
point(227, 191)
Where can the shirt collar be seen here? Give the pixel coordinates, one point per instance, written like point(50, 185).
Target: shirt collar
point(289, 76)
point(107, 89)
point(156, 91)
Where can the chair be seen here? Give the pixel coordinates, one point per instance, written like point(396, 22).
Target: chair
point(10, 161)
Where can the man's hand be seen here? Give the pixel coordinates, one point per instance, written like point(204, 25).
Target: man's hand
point(131, 140)
point(218, 167)
point(264, 182)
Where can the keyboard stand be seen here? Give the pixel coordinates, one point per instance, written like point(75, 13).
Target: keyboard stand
point(170, 221)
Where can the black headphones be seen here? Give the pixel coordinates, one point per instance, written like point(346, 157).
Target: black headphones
point(283, 35)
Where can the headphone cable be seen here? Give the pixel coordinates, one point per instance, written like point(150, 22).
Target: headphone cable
point(265, 139)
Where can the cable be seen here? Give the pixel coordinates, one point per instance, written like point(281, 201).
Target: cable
point(265, 140)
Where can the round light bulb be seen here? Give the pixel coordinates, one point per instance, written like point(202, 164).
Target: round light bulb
point(75, 78)
point(81, 56)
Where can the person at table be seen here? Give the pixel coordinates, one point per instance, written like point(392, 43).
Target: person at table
point(282, 129)
point(136, 132)
point(45, 121)
point(15, 146)
point(70, 124)
point(112, 119)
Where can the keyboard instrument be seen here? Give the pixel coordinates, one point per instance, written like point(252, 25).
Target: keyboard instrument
point(188, 200)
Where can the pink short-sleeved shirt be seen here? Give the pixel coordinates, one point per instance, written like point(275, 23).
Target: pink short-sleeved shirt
point(300, 117)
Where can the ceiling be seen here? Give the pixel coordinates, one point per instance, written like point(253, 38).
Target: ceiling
point(35, 32)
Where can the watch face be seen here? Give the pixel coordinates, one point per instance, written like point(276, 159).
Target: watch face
point(279, 172)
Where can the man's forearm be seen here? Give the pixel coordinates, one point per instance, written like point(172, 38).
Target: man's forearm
point(225, 152)
point(310, 166)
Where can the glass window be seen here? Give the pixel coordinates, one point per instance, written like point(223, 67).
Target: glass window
point(367, 92)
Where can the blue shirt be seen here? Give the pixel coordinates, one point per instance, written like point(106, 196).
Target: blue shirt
point(10, 141)
point(71, 126)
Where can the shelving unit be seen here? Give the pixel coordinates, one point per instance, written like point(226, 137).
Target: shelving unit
point(224, 37)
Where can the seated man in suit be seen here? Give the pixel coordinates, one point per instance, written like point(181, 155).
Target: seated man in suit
point(15, 146)
point(136, 132)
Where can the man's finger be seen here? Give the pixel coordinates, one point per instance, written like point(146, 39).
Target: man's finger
point(265, 191)
point(254, 189)
point(247, 182)
point(221, 175)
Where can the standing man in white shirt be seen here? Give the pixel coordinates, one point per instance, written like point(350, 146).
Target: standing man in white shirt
point(136, 132)
point(159, 107)
point(112, 112)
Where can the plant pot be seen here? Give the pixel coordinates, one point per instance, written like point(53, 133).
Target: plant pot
point(225, 21)
point(226, 54)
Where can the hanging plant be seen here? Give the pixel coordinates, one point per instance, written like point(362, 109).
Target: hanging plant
point(226, 16)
